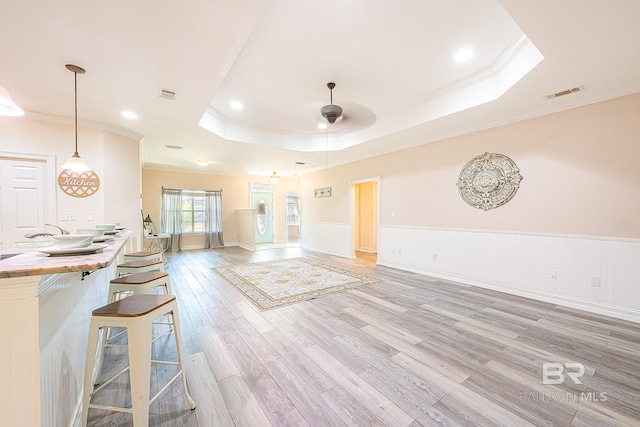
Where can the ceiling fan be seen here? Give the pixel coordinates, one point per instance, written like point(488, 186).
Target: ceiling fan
point(331, 112)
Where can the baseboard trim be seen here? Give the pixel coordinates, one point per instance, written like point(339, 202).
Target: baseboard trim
point(325, 251)
point(563, 300)
point(247, 247)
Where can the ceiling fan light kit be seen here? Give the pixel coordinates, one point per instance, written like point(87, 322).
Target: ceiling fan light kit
point(331, 112)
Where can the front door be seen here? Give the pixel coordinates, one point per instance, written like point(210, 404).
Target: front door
point(263, 205)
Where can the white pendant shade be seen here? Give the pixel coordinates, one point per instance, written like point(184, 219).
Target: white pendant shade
point(76, 163)
point(7, 106)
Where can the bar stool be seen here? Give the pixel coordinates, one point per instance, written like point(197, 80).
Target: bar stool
point(130, 267)
point(135, 313)
point(135, 283)
point(139, 283)
point(143, 256)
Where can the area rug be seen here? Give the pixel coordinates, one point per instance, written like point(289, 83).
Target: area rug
point(272, 284)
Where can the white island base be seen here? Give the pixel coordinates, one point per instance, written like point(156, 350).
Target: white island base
point(45, 308)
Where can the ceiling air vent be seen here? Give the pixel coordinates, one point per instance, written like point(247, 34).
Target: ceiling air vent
point(564, 92)
point(174, 147)
point(167, 94)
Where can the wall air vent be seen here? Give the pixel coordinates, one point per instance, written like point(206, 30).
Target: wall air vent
point(564, 92)
point(167, 94)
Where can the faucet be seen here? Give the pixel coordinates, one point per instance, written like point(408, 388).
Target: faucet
point(62, 230)
point(34, 235)
point(44, 233)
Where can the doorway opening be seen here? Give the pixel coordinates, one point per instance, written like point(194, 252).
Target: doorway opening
point(292, 218)
point(365, 218)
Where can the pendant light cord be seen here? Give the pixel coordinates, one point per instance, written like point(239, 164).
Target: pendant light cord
point(75, 90)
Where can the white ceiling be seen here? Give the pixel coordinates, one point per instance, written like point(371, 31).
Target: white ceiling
point(392, 62)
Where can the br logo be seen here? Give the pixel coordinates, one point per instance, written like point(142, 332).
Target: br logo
point(554, 373)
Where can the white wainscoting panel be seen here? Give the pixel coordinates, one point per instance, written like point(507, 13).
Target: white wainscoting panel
point(522, 263)
point(66, 302)
point(329, 237)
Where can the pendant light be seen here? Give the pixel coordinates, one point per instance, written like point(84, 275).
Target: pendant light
point(274, 178)
point(75, 163)
point(7, 106)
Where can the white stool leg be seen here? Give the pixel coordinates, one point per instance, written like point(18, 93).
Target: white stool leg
point(176, 333)
point(92, 346)
point(105, 338)
point(140, 370)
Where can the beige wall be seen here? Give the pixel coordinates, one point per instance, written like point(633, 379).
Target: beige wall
point(579, 167)
point(114, 158)
point(235, 196)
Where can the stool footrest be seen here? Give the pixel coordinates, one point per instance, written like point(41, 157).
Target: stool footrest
point(110, 408)
point(107, 382)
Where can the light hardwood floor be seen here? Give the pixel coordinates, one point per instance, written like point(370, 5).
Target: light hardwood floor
point(412, 350)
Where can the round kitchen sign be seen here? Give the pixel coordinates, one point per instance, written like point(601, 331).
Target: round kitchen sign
point(75, 184)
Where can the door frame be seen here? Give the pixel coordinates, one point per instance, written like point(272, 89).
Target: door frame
point(286, 227)
point(354, 211)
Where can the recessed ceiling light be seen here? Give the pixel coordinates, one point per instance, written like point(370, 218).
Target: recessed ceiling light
point(202, 163)
point(322, 125)
point(129, 115)
point(463, 55)
point(236, 105)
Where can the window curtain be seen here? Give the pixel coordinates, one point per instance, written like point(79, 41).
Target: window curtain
point(171, 218)
point(213, 220)
point(296, 200)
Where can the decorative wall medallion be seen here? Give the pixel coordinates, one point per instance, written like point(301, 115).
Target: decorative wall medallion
point(78, 184)
point(489, 181)
point(323, 192)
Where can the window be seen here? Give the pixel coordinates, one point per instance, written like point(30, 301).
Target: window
point(193, 212)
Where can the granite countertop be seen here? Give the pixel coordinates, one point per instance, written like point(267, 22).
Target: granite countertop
point(34, 263)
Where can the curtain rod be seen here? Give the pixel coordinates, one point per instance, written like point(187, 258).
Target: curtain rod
point(189, 189)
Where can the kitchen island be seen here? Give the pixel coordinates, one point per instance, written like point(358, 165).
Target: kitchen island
point(45, 308)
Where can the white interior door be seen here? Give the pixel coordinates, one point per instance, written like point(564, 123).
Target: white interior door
point(23, 200)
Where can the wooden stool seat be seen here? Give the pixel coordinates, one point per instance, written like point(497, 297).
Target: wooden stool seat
point(143, 256)
point(140, 278)
point(136, 314)
point(139, 266)
point(133, 307)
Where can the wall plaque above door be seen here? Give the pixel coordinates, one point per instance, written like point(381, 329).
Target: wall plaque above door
point(75, 184)
point(489, 180)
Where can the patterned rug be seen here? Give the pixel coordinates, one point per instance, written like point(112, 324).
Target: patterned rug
point(274, 284)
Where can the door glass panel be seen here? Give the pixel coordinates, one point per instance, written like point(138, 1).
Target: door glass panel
point(262, 217)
